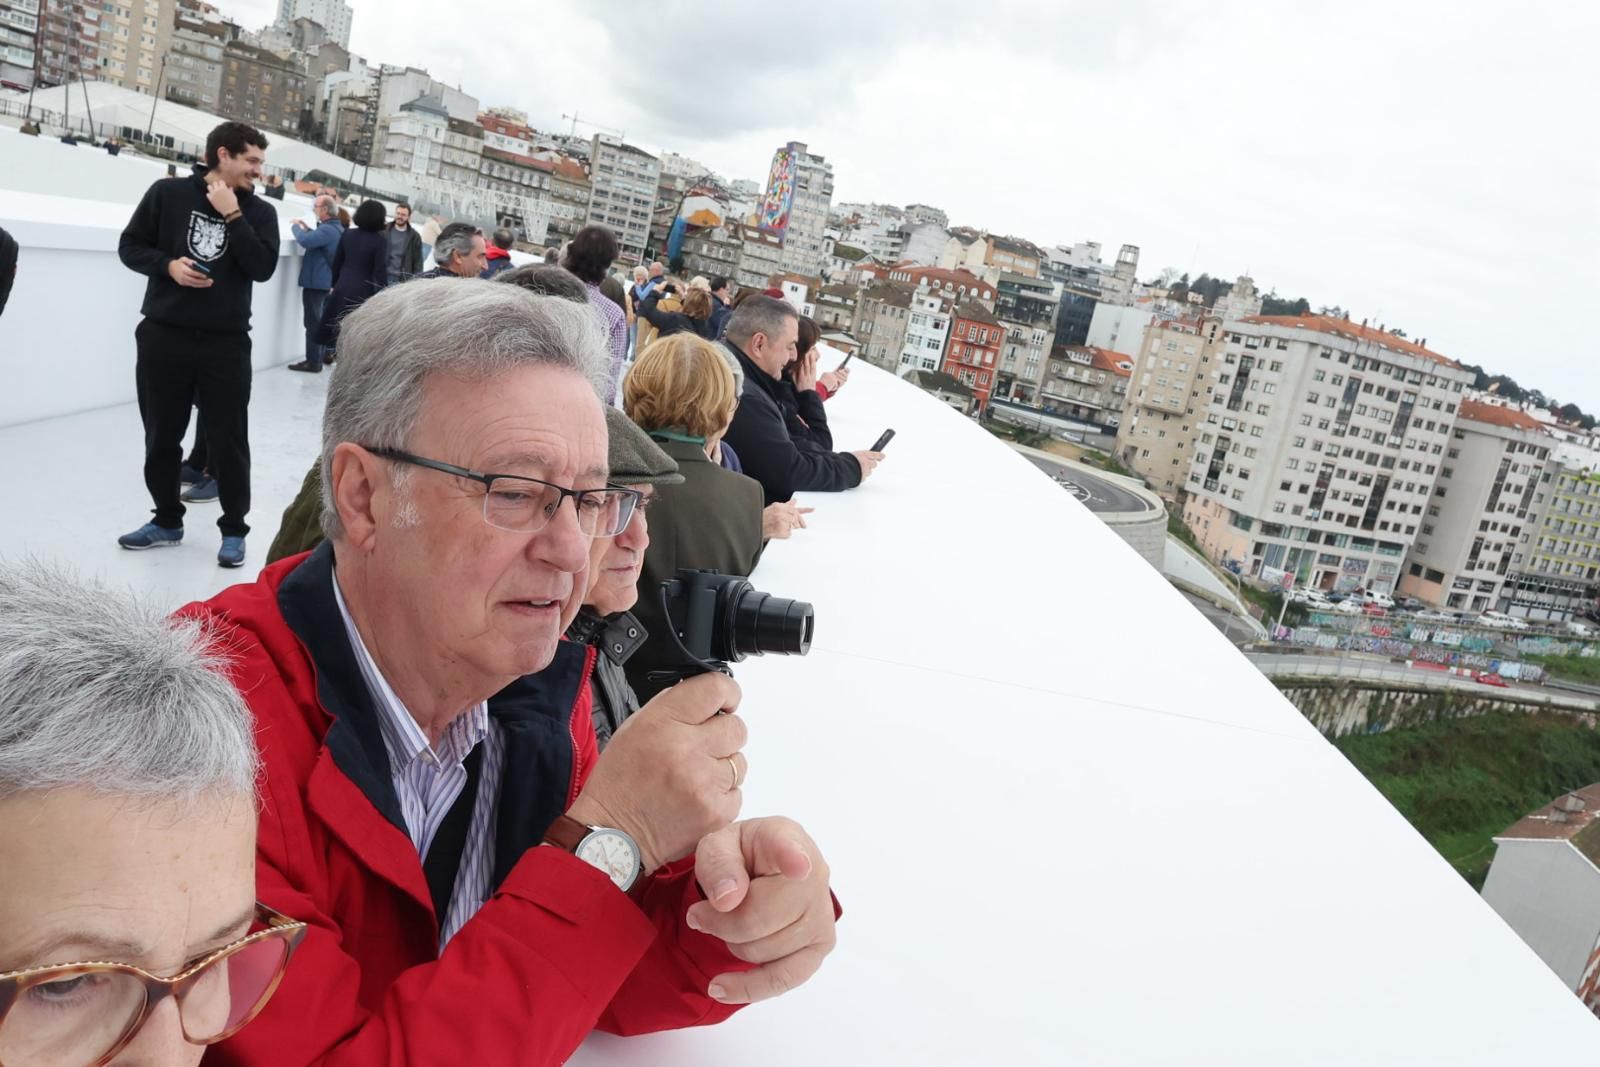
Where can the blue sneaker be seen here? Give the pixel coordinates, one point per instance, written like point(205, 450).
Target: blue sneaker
point(231, 554)
point(202, 492)
point(187, 475)
point(151, 536)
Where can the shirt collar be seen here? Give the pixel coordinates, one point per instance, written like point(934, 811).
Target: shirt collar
point(402, 737)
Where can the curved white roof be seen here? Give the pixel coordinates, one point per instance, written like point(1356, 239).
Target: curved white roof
point(1068, 821)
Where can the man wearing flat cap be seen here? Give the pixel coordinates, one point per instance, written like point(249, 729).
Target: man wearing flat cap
point(604, 621)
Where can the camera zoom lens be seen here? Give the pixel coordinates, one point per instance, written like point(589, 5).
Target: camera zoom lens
point(771, 625)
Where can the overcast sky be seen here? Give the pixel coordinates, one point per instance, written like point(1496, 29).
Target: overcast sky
point(1425, 165)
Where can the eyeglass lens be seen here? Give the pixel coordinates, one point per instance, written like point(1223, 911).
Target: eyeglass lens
point(73, 1019)
point(524, 507)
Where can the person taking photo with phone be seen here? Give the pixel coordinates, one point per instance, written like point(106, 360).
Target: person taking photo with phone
point(203, 241)
point(780, 431)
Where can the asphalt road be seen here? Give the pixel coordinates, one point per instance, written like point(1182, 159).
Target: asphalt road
point(1099, 494)
point(1357, 665)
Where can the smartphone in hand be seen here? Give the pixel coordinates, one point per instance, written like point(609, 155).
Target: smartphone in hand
point(201, 267)
point(882, 442)
point(846, 362)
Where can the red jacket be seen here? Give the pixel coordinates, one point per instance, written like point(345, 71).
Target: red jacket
point(555, 953)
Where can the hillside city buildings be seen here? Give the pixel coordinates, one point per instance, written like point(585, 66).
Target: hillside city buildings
point(1340, 451)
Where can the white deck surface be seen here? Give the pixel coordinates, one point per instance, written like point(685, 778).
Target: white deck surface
point(1068, 822)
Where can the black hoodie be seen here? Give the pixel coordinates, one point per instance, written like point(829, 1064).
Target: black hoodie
point(175, 220)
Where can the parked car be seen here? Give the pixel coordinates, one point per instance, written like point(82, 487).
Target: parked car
point(1499, 620)
point(1580, 629)
point(1337, 598)
point(1490, 678)
point(1375, 610)
point(1348, 606)
point(1382, 600)
point(1409, 603)
point(1311, 598)
point(1429, 615)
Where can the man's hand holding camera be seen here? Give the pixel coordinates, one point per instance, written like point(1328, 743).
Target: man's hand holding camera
point(672, 773)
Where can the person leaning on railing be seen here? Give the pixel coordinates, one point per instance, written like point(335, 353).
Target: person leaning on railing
point(781, 430)
point(682, 391)
point(479, 883)
point(129, 928)
point(300, 529)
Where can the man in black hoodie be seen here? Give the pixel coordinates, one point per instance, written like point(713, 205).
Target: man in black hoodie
point(204, 241)
point(763, 333)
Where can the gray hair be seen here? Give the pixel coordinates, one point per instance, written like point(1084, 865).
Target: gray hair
point(462, 327)
point(735, 366)
point(455, 239)
point(758, 314)
point(325, 203)
point(102, 692)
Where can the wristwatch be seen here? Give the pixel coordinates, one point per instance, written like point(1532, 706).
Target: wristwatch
point(612, 851)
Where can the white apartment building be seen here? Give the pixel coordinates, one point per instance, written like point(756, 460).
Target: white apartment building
point(333, 15)
point(134, 36)
point(414, 140)
point(462, 159)
point(1118, 328)
point(1481, 505)
point(1167, 401)
point(927, 332)
point(19, 35)
point(398, 86)
point(1556, 568)
point(1240, 302)
point(803, 250)
point(622, 190)
point(1320, 448)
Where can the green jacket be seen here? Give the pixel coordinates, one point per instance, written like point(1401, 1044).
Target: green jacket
point(301, 529)
point(712, 521)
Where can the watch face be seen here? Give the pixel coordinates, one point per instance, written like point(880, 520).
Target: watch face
point(614, 853)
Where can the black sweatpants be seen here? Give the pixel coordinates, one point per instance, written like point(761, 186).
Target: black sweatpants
point(177, 368)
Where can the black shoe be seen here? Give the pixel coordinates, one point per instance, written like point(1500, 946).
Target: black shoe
point(329, 358)
point(307, 366)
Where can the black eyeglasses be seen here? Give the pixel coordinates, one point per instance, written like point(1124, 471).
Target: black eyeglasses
point(526, 505)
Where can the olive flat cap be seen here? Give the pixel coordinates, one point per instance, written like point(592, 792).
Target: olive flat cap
point(635, 459)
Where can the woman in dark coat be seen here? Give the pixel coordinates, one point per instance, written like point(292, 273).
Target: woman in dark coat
point(695, 317)
point(360, 268)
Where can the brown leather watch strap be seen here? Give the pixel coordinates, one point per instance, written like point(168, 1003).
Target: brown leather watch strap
point(566, 833)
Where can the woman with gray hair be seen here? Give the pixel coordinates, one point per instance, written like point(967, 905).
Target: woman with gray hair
point(121, 737)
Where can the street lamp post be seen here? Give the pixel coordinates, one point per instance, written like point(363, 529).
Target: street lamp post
point(151, 125)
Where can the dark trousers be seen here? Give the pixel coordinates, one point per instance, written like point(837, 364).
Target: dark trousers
point(312, 301)
point(197, 454)
point(177, 368)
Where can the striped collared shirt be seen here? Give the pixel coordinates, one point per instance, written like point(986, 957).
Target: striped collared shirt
point(428, 779)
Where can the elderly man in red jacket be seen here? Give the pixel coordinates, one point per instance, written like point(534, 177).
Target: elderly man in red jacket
point(481, 886)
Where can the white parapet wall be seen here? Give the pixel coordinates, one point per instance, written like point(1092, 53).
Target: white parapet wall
point(66, 338)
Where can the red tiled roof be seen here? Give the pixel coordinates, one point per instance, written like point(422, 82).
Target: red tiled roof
point(571, 170)
point(1115, 362)
point(1354, 331)
point(1554, 823)
point(1494, 415)
point(1099, 358)
point(954, 278)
